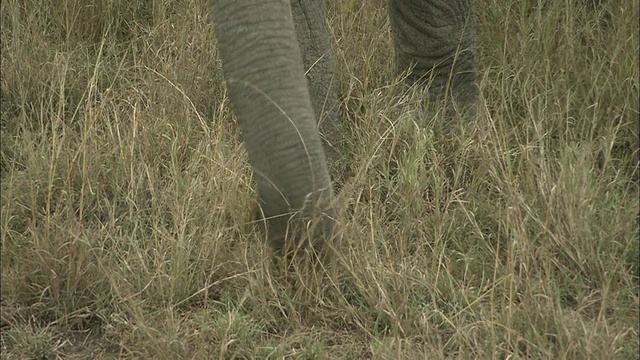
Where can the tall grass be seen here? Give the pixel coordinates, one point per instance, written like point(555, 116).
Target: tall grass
point(127, 199)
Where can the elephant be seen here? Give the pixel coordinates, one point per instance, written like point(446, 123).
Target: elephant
point(288, 120)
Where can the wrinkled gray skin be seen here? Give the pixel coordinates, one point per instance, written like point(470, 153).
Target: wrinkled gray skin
point(267, 47)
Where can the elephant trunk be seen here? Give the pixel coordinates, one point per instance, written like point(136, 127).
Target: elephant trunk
point(266, 85)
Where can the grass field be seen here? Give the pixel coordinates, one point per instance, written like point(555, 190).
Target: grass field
point(127, 200)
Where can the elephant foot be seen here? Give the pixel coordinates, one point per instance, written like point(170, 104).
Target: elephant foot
point(457, 111)
point(450, 112)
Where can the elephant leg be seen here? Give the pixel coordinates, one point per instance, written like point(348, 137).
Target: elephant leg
point(318, 58)
point(435, 41)
point(263, 70)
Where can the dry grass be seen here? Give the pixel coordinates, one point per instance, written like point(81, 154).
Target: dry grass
point(127, 198)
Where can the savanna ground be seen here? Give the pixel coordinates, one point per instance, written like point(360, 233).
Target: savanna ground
point(127, 199)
